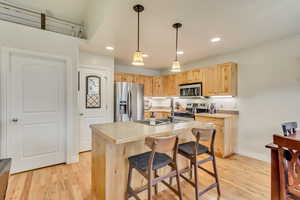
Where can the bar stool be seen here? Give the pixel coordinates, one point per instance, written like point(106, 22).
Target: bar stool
point(149, 162)
point(191, 150)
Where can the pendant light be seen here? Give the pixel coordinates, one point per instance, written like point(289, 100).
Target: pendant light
point(138, 55)
point(176, 64)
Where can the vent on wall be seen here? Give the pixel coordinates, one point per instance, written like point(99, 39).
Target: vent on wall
point(28, 17)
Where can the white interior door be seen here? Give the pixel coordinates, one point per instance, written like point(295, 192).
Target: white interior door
point(94, 103)
point(36, 125)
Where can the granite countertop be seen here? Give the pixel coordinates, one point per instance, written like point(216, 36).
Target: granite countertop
point(216, 115)
point(158, 110)
point(125, 132)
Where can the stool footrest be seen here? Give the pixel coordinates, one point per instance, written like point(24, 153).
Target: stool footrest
point(212, 186)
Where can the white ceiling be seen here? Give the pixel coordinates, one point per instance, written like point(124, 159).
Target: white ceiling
point(73, 10)
point(240, 24)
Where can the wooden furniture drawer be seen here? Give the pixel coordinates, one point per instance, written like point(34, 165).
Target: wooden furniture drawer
point(216, 121)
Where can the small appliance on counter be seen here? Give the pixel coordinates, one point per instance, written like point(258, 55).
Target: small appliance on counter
point(197, 107)
point(212, 108)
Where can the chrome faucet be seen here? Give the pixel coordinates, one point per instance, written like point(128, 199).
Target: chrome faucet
point(172, 110)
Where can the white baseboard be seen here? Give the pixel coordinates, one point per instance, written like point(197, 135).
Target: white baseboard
point(73, 159)
point(258, 156)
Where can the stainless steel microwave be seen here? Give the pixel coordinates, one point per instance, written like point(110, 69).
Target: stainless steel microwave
point(191, 90)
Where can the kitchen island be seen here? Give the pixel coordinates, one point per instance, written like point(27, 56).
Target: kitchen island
point(113, 143)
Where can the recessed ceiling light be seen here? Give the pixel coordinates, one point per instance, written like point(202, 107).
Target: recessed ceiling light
point(145, 55)
point(215, 39)
point(180, 52)
point(109, 48)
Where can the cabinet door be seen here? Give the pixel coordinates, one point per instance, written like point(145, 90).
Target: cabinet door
point(148, 86)
point(228, 79)
point(147, 115)
point(211, 81)
point(189, 76)
point(158, 86)
point(173, 89)
point(118, 76)
point(219, 140)
point(181, 78)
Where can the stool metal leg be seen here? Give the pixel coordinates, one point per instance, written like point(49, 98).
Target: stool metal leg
point(216, 175)
point(149, 184)
point(196, 178)
point(178, 181)
point(128, 182)
point(156, 185)
point(191, 166)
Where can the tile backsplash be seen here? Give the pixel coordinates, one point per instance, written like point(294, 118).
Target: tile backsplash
point(222, 103)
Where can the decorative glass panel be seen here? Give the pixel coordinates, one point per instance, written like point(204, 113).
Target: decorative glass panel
point(93, 92)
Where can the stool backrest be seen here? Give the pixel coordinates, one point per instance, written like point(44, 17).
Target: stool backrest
point(205, 134)
point(289, 165)
point(289, 128)
point(164, 144)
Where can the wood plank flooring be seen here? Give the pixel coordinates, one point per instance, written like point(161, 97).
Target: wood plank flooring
point(241, 178)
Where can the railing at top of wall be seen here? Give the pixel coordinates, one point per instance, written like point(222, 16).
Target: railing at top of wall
point(15, 14)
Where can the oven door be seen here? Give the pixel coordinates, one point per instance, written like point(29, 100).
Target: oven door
point(184, 116)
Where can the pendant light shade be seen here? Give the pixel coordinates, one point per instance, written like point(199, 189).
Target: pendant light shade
point(138, 58)
point(176, 65)
point(138, 55)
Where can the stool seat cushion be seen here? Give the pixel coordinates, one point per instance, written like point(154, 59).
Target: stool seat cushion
point(188, 148)
point(141, 161)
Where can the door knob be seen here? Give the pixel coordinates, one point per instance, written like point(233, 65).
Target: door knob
point(15, 120)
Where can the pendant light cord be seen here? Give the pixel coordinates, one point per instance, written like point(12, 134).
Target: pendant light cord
point(176, 44)
point(138, 49)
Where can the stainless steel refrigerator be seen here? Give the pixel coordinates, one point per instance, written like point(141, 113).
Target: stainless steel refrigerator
point(129, 101)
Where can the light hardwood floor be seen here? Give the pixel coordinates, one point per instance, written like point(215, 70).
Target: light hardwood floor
point(241, 178)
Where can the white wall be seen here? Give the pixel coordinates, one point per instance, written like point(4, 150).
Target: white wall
point(103, 63)
point(136, 70)
point(26, 38)
point(268, 91)
point(86, 58)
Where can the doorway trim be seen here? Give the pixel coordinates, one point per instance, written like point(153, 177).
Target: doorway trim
point(6, 53)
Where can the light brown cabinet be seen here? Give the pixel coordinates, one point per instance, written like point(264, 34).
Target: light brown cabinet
point(157, 114)
point(148, 86)
point(225, 142)
point(170, 86)
point(217, 80)
point(158, 89)
point(220, 80)
point(135, 78)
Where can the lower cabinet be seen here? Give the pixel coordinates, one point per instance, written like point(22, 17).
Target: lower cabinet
point(157, 114)
point(226, 129)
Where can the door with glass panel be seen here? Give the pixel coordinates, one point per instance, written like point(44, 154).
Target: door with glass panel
point(93, 87)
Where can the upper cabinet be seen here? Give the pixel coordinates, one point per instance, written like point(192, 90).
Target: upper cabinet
point(219, 80)
point(157, 87)
point(170, 85)
point(228, 76)
point(148, 88)
point(136, 78)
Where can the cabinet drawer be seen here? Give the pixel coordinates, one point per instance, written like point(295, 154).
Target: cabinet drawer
point(216, 121)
